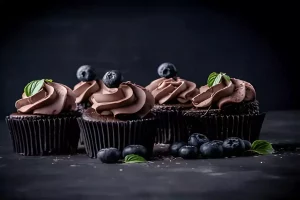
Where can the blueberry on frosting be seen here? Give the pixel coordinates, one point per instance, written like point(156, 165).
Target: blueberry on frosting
point(167, 70)
point(113, 78)
point(86, 73)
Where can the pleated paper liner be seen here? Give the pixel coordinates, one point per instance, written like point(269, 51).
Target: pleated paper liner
point(119, 134)
point(33, 136)
point(171, 127)
point(220, 127)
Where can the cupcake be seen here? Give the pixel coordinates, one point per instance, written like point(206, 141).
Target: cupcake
point(45, 121)
point(172, 96)
point(226, 107)
point(119, 116)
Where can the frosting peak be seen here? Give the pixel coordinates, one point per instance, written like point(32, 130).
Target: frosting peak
point(52, 99)
point(169, 90)
point(234, 91)
point(128, 98)
point(84, 90)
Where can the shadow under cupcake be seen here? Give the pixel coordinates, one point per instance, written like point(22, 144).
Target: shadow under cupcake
point(45, 122)
point(119, 116)
point(226, 107)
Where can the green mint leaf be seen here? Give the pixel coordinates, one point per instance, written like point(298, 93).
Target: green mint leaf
point(215, 78)
point(211, 78)
point(26, 91)
point(226, 77)
point(132, 158)
point(262, 147)
point(34, 87)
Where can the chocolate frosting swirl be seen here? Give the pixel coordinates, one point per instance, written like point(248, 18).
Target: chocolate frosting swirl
point(127, 99)
point(234, 91)
point(167, 90)
point(84, 90)
point(52, 99)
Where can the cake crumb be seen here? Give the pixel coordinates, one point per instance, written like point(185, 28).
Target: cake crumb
point(158, 166)
point(261, 162)
point(73, 165)
point(120, 170)
point(177, 163)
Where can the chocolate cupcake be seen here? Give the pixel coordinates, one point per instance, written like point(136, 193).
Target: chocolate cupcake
point(45, 122)
point(172, 96)
point(224, 108)
point(119, 116)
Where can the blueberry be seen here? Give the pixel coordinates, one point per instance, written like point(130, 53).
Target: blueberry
point(197, 139)
point(167, 70)
point(212, 149)
point(135, 149)
point(109, 155)
point(233, 146)
point(113, 78)
point(247, 145)
point(174, 148)
point(188, 152)
point(86, 73)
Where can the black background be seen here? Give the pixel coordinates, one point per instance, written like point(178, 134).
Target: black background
point(253, 41)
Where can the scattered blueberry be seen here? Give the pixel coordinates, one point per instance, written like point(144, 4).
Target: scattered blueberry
point(174, 148)
point(113, 78)
point(233, 146)
point(188, 152)
point(109, 155)
point(167, 70)
point(247, 145)
point(212, 149)
point(86, 73)
point(197, 139)
point(135, 149)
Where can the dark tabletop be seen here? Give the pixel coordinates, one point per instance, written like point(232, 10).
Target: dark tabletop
point(79, 177)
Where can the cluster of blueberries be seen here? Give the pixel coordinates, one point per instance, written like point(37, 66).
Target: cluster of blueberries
point(199, 145)
point(113, 155)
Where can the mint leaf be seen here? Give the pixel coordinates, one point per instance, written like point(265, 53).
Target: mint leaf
point(211, 78)
point(26, 89)
point(225, 76)
point(215, 78)
point(35, 86)
point(132, 158)
point(262, 147)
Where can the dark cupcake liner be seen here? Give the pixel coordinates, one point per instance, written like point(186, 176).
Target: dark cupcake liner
point(220, 127)
point(119, 134)
point(33, 136)
point(171, 127)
